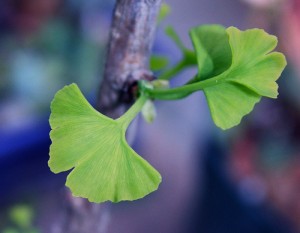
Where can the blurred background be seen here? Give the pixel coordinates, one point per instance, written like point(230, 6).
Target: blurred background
point(244, 180)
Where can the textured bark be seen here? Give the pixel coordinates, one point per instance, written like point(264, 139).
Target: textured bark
point(130, 42)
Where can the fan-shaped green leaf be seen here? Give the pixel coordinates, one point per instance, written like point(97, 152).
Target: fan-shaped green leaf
point(252, 73)
point(104, 166)
point(212, 46)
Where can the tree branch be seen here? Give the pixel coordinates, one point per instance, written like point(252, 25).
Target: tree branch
point(130, 43)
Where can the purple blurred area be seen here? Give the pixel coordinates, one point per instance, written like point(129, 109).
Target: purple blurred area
point(244, 180)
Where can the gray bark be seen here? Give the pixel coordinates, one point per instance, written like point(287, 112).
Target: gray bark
point(130, 42)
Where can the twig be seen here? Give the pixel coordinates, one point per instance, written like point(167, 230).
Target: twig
point(131, 40)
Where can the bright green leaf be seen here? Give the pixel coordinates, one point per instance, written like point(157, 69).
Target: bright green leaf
point(229, 102)
point(211, 43)
point(104, 166)
point(253, 71)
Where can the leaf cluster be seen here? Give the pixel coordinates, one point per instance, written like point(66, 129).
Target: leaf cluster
point(235, 70)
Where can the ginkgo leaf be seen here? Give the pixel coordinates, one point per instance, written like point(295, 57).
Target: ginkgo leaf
point(104, 166)
point(252, 73)
point(211, 43)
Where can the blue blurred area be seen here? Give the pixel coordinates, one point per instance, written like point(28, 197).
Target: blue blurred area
point(44, 45)
point(243, 180)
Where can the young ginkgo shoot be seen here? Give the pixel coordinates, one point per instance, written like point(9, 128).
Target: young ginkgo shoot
point(235, 69)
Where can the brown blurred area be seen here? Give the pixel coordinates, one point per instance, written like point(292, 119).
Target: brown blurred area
point(266, 153)
point(32, 15)
point(290, 31)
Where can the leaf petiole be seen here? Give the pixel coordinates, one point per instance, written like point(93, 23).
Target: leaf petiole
point(169, 74)
point(174, 36)
point(183, 91)
point(188, 60)
point(132, 112)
